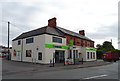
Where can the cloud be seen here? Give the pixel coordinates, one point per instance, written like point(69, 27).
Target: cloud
point(98, 21)
point(104, 32)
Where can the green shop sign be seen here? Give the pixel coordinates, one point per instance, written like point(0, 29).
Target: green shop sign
point(18, 51)
point(70, 42)
point(92, 49)
point(55, 46)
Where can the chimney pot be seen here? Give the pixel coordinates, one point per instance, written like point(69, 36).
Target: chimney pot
point(82, 32)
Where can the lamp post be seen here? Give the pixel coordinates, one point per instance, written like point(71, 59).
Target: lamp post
point(8, 39)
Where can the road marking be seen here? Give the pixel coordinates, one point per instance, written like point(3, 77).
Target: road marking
point(96, 76)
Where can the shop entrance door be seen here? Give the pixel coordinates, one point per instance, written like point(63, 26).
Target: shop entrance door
point(59, 56)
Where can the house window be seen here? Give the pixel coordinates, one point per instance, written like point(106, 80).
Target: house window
point(91, 44)
point(40, 56)
point(58, 40)
point(91, 55)
point(86, 43)
point(29, 40)
point(74, 42)
point(82, 43)
point(88, 55)
point(28, 53)
point(19, 42)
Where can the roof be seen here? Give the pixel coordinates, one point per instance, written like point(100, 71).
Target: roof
point(57, 31)
point(73, 33)
point(39, 31)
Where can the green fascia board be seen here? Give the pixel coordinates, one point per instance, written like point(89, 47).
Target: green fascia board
point(91, 49)
point(56, 46)
point(18, 51)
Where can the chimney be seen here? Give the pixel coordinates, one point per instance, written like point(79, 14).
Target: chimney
point(52, 22)
point(82, 32)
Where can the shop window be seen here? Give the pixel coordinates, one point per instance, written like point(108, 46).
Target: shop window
point(57, 40)
point(19, 42)
point(76, 53)
point(29, 40)
point(91, 55)
point(88, 55)
point(70, 54)
point(40, 56)
point(28, 53)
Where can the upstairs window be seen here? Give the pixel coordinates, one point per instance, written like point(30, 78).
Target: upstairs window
point(91, 44)
point(29, 40)
point(19, 42)
point(57, 40)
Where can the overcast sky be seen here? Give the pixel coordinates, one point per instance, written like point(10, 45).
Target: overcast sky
point(99, 18)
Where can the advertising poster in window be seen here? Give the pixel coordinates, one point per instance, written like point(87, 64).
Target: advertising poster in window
point(14, 52)
point(28, 53)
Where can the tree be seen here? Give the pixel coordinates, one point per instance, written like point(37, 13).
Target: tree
point(106, 46)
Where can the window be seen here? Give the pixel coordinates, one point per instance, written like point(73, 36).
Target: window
point(39, 56)
point(58, 40)
point(76, 53)
point(91, 44)
point(70, 54)
point(74, 42)
point(29, 40)
point(28, 53)
point(88, 55)
point(19, 42)
point(91, 55)
point(82, 43)
point(86, 43)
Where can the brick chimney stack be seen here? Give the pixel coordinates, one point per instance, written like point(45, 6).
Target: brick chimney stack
point(82, 32)
point(52, 22)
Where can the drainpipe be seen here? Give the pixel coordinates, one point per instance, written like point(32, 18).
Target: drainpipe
point(22, 50)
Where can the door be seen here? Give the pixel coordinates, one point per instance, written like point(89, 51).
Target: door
point(56, 57)
point(59, 56)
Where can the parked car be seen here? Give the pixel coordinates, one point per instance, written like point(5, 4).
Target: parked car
point(111, 56)
point(3, 55)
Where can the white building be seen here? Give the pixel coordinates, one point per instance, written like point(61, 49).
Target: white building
point(50, 42)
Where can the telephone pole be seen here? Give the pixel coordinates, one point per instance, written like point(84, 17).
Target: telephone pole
point(8, 39)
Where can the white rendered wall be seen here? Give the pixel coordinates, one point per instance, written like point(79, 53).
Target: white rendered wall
point(16, 47)
point(49, 51)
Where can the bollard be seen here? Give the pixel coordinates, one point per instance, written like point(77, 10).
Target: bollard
point(64, 61)
point(82, 60)
point(51, 64)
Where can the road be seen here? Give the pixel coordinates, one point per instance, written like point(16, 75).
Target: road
point(100, 72)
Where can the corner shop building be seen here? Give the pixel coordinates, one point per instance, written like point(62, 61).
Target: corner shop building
point(48, 42)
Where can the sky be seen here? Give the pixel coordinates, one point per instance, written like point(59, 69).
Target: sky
point(99, 18)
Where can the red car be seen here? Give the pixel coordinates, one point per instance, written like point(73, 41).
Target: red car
point(111, 56)
point(3, 55)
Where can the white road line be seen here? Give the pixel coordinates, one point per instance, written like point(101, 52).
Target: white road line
point(96, 76)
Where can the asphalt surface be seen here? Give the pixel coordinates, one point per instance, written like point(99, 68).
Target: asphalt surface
point(34, 71)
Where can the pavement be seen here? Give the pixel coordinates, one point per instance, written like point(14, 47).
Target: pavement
point(13, 67)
